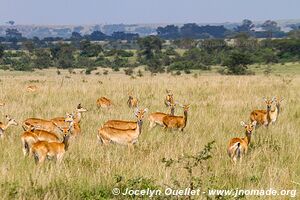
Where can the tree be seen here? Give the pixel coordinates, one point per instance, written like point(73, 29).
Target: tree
point(247, 26)
point(13, 33)
point(42, 59)
point(1, 51)
point(150, 45)
point(88, 49)
point(168, 32)
point(28, 45)
point(237, 62)
point(270, 27)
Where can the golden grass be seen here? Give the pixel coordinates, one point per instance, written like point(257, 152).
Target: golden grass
point(218, 104)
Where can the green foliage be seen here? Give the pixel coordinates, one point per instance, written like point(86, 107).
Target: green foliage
point(22, 64)
point(42, 59)
point(88, 49)
point(1, 51)
point(237, 62)
point(190, 163)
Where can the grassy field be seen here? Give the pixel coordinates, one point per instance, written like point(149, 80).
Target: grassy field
point(90, 170)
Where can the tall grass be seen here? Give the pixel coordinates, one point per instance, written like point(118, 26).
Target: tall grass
point(89, 170)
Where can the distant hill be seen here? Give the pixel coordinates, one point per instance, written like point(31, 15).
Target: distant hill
point(65, 31)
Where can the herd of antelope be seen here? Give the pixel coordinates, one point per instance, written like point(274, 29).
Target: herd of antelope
point(49, 138)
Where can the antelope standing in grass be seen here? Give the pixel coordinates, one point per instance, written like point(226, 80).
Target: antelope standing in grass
point(124, 137)
point(31, 88)
point(41, 124)
point(177, 122)
point(3, 127)
point(120, 124)
point(157, 117)
point(34, 135)
point(169, 98)
point(2, 103)
point(275, 112)
point(75, 129)
point(104, 102)
point(263, 117)
point(42, 149)
point(238, 147)
point(77, 116)
point(132, 101)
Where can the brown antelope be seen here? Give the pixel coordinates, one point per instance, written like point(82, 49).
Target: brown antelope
point(263, 117)
point(177, 122)
point(157, 117)
point(104, 102)
point(42, 149)
point(3, 126)
point(132, 101)
point(41, 124)
point(120, 124)
point(169, 98)
point(2, 103)
point(34, 135)
point(275, 112)
point(61, 120)
point(124, 137)
point(238, 147)
point(31, 88)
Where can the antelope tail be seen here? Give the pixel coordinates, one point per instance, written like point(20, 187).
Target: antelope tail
point(237, 151)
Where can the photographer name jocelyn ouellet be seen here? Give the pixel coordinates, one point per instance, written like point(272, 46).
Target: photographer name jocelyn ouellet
point(168, 191)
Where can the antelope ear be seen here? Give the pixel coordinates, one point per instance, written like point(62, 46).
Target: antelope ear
point(79, 106)
point(168, 103)
point(145, 110)
point(136, 110)
point(274, 98)
point(254, 123)
point(265, 99)
point(281, 99)
point(243, 123)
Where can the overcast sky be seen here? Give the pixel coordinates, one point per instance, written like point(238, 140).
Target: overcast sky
point(144, 11)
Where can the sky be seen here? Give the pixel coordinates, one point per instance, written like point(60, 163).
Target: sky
point(88, 12)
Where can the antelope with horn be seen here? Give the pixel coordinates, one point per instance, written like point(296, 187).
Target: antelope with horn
point(103, 102)
point(177, 122)
point(156, 118)
point(10, 122)
point(263, 117)
point(238, 147)
point(124, 137)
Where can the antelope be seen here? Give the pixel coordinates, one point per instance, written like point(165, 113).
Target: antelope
point(31, 88)
point(263, 117)
point(33, 135)
point(61, 120)
point(3, 127)
point(238, 147)
point(132, 101)
point(157, 117)
point(177, 122)
point(42, 149)
point(41, 124)
point(169, 98)
point(120, 124)
point(104, 102)
point(125, 137)
point(2, 103)
point(275, 112)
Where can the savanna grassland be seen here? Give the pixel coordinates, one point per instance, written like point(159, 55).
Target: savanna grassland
point(90, 170)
